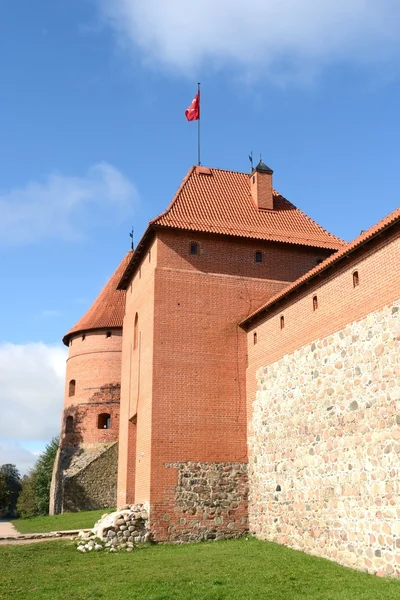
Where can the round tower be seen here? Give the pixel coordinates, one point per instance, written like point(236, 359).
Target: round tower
point(85, 471)
point(93, 376)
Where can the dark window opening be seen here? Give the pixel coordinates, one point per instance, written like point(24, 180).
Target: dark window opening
point(135, 331)
point(69, 424)
point(72, 385)
point(83, 337)
point(282, 322)
point(315, 302)
point(108, 334)
point(356, 279)
point(254, 178)
point(255, 337)
point(194, 248)
point(258, 257)
point(104, 421)
point(149, 255)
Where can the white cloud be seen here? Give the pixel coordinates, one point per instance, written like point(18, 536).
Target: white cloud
point(14, 453)
point(31, 390)
point(64, 206)
point(279, 38)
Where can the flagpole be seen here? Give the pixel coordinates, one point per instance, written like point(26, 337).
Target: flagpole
point(198, 128)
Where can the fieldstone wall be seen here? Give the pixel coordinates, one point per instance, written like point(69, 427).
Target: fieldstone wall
point(90, 481)
point(324, 469)
point(210, 503)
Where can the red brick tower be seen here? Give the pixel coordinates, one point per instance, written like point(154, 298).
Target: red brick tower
point(90, 422)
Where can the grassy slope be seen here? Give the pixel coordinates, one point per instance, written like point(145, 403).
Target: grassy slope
point(78, 520)
point(234, 570)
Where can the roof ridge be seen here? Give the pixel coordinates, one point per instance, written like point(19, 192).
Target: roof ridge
point(174, 199)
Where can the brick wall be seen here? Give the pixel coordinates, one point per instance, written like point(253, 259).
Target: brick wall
point(190, 387)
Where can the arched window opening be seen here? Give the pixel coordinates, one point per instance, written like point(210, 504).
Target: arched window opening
point(135, 331)
point(69, 424)
point(255, 337)
point(258, 257)
point(282, 322)
point(104, 421)
point(315, 302)
point(72, 386)
point(356, 279)
point(108, 334)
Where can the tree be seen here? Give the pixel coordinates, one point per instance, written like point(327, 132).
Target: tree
point(26, 505)
point(35, 496)
point(43, 474)
point(10, 485)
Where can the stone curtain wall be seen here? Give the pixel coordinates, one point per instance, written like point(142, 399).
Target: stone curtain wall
point(92, 484)
point(324, 468)
point(210, 502)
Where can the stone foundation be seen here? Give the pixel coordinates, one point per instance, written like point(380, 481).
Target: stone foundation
point(210, 503)
point(324, 468)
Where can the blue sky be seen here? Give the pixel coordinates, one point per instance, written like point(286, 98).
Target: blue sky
point(94, 140)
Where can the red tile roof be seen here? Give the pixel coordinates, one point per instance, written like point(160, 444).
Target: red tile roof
point(108, 310)
point(218, 201)
point(222, 203)
point(392, 219)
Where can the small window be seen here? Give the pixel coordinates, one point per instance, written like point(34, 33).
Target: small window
point(140, 273)
point(254, 178)
point(255, 337)
point(135, 331)
point(282, 322)
point(83, 337)
point(104, 421)
point(72, 385)
point(149, 255)
point(108, 334)
point(69, 424)
point(356, 279)
point(315, 302)
point(258, 257)
point(70, 342)
point(194, 248)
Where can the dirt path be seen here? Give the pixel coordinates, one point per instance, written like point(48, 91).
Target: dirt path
point(7, 528)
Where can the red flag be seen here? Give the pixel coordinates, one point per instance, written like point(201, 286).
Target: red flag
point(193, 112)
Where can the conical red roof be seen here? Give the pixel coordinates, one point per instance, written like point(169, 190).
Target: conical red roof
point(109, 307)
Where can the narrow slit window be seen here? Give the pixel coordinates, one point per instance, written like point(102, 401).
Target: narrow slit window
point(255, 337)
point(258, 257)
point(108, 334)
point(315, 302)
point(72, 386)
point(83, 337)
point(69, 424)
point(282, 320)
point(104, 421)
point(194, 248)
point(356, 279)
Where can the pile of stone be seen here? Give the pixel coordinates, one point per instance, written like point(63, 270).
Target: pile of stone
point(120, 530)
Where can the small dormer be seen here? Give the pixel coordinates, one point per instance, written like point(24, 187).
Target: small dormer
point(261, 187)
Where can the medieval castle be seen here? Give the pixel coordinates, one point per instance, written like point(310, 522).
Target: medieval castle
point(240, 371)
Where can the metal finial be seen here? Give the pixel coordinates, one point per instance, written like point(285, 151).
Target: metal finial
point(131, 236)
point(251, 160)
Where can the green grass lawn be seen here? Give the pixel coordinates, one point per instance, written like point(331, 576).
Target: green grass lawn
point(234, 570)
point(77, 520)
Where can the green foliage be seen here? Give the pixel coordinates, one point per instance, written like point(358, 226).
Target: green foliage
point(43, 471)
point(78, 520)
point(10, 487)
point(35, 495)
point(230, 570)
point(26, 505)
